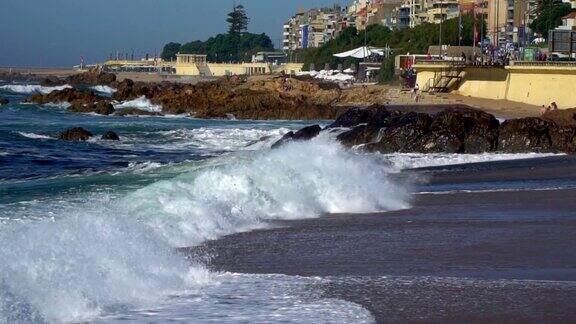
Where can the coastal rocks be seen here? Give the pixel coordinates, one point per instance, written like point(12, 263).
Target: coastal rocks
point(110, 136)
point(306, 133)
point(373, 115)
point(75, 134)
point(3, 101)
point(135, 112)
point(69, 95)
point(101, 107)
point(92, 78)
point(536, 135)
point(452, 130)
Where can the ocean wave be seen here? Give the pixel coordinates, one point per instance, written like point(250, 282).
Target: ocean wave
point(141, 103)
point(420, 160)
point(32, 88)
point(101, 254)
point(222, 139)
point(104, 89)
point(34, 136)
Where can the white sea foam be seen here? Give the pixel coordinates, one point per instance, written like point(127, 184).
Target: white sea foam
point(141, 103)
point(62, 105)
point(418, 160)
point(100, 255)
point(104, 89)
point(34, 135)
point(222, 139)
point(32, 88)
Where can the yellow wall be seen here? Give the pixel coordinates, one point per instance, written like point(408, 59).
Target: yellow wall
point(187, 69)
point(535, 85)
point(222, 69)
point(487, 83)
point(543, 86)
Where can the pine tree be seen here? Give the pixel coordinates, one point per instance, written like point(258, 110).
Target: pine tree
point(237, 20)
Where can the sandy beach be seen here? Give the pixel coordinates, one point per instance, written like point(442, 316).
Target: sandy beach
point(492, 244)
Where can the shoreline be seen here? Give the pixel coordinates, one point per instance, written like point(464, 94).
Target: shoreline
point(433, 261)
point(378, 94)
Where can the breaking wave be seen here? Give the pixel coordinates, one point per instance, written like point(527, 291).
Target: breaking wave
point(420, 160)
point(99, 255)
point(104, 89)
point(34, 135)
point(31, 88)
point(141, 103)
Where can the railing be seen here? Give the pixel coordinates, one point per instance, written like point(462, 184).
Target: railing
point(543, 63)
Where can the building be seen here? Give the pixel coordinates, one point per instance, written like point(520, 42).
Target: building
point(197, 65)
point(568, 22)
point(439, 11)
point(312, 28)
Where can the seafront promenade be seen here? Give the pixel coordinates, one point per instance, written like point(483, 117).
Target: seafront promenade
point(533, 83)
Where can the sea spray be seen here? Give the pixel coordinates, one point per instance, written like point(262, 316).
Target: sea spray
point(102, 255)
point(141, 103)
point(32, 88)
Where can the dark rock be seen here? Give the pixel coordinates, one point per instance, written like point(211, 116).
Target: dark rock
point(75, 134)
point(52, 81)
point(525, 135)
point(361, 134)
point(91, 78)
point(3, 101)
point(464, 131)
point(110, 136)
point(374, 115)
point(135, 112)
point(403, 134)
point(306, 133)
point(70, 95)
point(101, 107)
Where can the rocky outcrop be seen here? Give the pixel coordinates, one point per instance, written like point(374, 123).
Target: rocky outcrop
point(536, 135)
point(304, 134)
point(75, 134)
point(69, 95)
point(101, 107)
point(3, 101)
point(110, 136)
point(92, 77)
point(135, 112)
point(452, 130)
point(275, 98)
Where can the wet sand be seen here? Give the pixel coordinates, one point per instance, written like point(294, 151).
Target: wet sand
point(456, 256)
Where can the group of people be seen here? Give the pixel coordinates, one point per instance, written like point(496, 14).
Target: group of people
point(551, 107)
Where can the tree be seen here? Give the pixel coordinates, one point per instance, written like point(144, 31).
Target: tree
point(229, 47)
point(170, 51)
point(550, 13)
point(237, 20)
point(386, 73)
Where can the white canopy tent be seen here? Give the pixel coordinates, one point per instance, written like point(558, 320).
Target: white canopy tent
point(362, 52)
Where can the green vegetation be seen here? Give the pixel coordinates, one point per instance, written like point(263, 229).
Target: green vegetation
point(238, 45)
point(550, 13)
point(170, 51)
point(412, 40)
point(237, 20)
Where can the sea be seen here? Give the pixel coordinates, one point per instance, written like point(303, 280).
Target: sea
point(93, 231)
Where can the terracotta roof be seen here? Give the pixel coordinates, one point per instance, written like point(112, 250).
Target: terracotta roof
point(571, 15)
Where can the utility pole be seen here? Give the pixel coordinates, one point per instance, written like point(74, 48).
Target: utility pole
point(440, 37)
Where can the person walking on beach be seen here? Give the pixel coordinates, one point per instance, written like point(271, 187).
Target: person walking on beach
point(415, 92)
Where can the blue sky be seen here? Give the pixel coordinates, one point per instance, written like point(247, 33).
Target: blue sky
point(58, 32)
